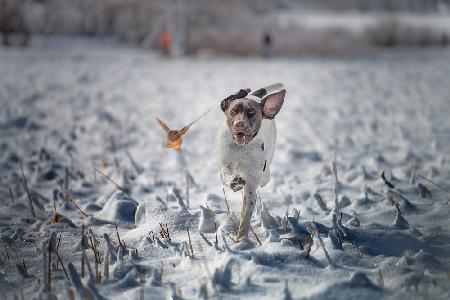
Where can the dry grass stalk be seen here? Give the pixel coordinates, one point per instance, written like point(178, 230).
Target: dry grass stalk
point(316, 234)
point(229, 212)
point(106, 267)
point(435, 184)
point(389, 184)
point(27, 190)
point(96, 258)
point(161, 273)
point(3, 254)
point(96, 271)
point(121, 244)
point(256, 236)
point(190, 244)
point(95, 250)
point(380, 279)
point(152, 236)
point(118, 186)
point(308, 249)
point(142, 289)
point(24, 267)
point(158, 166)
point(62, 264)
point(49, 266)
point(188, 180)
point(216, 240)
point(6, 248)
point(11, 194)
point(57, 249)
point(82, 263)
point(225, 199)
point(70, 294)
point(229, 236)
point(205, 265)
point(164, 232)
point(136, 167)
point(54, 206)
point(82, 252)
point(104, 163)
point(69, 199)
point(117, 164)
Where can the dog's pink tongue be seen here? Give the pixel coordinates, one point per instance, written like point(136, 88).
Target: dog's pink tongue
point(240, 139)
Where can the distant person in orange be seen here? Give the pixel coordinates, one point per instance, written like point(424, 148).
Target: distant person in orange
point(165, 41)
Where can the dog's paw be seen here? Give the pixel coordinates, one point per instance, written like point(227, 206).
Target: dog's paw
point(237, 183)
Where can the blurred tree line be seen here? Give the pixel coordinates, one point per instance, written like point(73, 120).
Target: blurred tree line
point(231, 26)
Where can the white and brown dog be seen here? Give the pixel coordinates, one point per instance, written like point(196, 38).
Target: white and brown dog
point(247, 143)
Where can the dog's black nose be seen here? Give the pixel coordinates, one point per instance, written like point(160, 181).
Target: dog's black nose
point(239, 125)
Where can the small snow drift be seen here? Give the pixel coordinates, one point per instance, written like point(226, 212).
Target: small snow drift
point(118, 208)
point(148, 210)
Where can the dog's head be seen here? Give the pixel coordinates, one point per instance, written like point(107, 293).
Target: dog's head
point(245, 111)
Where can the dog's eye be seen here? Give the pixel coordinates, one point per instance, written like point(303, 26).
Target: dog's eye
point(250, 113)
point(233, 112)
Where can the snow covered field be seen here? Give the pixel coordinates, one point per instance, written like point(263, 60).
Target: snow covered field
point(70, 106)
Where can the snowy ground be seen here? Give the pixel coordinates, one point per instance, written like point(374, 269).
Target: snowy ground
point(80, 105)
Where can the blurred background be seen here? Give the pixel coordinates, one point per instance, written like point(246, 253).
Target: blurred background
point(279, 28)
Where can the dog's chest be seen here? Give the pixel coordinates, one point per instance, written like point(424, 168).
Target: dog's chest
point(248, 160)
point(245, 161)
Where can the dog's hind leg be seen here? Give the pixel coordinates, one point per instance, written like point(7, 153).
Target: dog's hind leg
point(248, 206)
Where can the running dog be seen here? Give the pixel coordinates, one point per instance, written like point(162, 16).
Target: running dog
point(247, 143)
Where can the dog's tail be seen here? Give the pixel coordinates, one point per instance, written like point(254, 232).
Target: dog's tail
point(268, 90)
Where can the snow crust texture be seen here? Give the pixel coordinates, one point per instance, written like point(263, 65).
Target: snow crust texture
point(80, 116)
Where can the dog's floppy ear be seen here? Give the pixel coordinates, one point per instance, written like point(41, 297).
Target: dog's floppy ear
point(242, 93)
point(271, 105)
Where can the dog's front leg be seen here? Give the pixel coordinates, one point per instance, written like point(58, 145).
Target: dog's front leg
point(248, 206)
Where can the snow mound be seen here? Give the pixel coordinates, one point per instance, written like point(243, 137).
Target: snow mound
point(118, 208)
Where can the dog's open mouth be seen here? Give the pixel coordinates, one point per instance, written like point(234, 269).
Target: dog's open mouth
point(241, 138)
